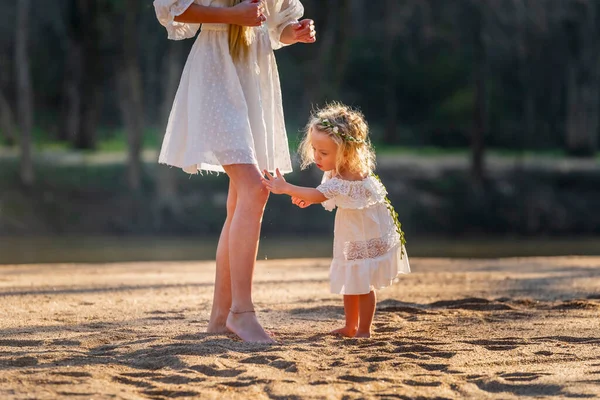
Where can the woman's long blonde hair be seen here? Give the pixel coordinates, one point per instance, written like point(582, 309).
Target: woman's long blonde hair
point(355, 154)
point(240, 38)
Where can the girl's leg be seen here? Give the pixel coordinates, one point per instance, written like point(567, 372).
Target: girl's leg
point(367, 303)
point(351, 311)
point(244, 233)
point(222, 294)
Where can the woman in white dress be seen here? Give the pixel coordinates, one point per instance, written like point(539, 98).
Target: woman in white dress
point(227, 117)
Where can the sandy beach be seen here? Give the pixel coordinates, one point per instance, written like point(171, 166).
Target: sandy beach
point(497, 329)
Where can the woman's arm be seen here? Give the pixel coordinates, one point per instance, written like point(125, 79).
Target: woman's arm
point(247, 13)
point(278, 185)
point(299, 32)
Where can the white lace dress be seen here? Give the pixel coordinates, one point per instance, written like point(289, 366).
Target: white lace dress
point(367, 253)
point(225, 112)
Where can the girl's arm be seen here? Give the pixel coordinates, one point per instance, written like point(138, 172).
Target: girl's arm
point(278, 185)
point(247, 13)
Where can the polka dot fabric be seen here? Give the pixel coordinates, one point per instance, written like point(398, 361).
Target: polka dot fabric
point(224, 112)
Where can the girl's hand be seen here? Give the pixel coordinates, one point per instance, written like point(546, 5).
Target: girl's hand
point(248, 13)
point(300, 32)
point(275, 185)
point(300, 203)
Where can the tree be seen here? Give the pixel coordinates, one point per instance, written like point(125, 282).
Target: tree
point(166, 201)
point(24, 91)
point(131, 94)
point(582, 28)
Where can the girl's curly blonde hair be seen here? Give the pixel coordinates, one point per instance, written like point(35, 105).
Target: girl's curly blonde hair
point(349, 130)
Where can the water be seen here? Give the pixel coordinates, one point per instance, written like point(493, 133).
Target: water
point(91, 249)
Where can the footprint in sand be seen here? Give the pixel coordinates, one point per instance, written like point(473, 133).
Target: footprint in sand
point(493, 386)
point(74, 374)
point(223, 373)
point(503, 344)
point(65, 342)
point(178, 380)
point(170, 394)
point(142, 374)
point(568, 339)
point(434, 367)
point(133, 382)
point(411, 382)
point(261, 360)
point(21, 343)
point(357, 379)
point(288, 366)
point(26, 361)
point(246, 381)
point(377, 359)
point(398, 306)
point(577, 305)
point(522, 376)
point(471, 303)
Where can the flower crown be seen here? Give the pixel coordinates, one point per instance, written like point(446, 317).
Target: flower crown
point(324, 123)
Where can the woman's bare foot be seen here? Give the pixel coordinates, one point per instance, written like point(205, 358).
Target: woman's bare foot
point(345, 331)
point(217, 328)
point(246, 326)
point(218, 323)
point(363, 334)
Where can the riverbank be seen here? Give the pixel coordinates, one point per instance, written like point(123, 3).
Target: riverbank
point(494, 328)
point(87, 194)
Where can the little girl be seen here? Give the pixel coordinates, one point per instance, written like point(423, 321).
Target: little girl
point(368, 250)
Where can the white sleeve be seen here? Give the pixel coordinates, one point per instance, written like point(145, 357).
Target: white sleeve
point(167, 10)
point(281, 13)
point(329, 188)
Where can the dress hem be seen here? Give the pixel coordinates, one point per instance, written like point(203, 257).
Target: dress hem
point(195, 169)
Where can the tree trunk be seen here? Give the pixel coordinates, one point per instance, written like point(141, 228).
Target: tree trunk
point(91, 81)
point(131, 95)
point(314, 89)
point(391, 73)
point(7, 122)
point(24, 91)
point(583, 80)
point(479, 105)
point(72, 91)
point(167, 202)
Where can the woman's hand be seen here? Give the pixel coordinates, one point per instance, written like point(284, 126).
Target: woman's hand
point(248, 13)
point(299, 32)
point(276, 185)
point(300, 203)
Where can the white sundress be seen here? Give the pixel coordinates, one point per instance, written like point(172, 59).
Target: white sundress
point(225, 112)
point(367, 252)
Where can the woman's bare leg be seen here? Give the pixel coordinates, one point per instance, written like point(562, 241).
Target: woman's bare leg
point(367, 303)
point(244, 233)
point(222, 294)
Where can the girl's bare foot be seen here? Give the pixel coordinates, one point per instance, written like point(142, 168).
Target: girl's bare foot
point(345, 331)
point(363, 334)
point(246, 326)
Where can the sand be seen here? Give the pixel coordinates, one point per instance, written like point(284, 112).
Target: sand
point(497, 329)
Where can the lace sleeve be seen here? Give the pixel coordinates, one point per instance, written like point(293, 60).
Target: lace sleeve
point(281, 13)
point(167, 10)
point(330, 189)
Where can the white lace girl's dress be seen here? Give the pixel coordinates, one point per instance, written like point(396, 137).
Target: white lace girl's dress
point(367, 253)
point(225, 112)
